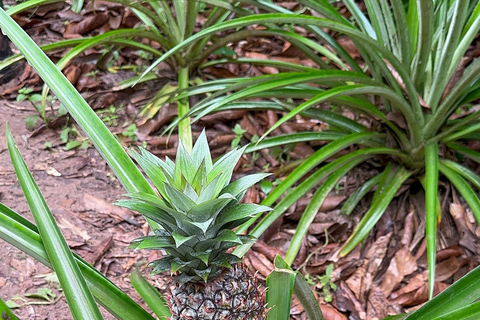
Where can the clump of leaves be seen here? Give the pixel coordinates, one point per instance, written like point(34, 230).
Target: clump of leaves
point(411, 81)
point(323, 283)
point(109, 115)
point(131, 132)
point(239, 131)
point(72, 139)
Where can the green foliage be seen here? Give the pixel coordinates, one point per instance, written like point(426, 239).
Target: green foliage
point(165, 23)
point(5, 311)
point(197, 210)
point(282, 283)
point(323, 283)
point(109, 116)
point(25, 94)
point(131, 132)
point(410, 53)
point(72, 139)
point(238, 135)
point(150, 295)
point(74, 285)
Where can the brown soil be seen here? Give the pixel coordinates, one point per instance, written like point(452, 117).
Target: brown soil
point(79, 188)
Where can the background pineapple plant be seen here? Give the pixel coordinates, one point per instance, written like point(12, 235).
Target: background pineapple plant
point(196, 213)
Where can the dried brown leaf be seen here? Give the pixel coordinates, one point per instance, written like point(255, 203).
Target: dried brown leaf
point(377, 306)
point(260, 263)
point(402, 264)
point(330, 313)
point(362, 278)
point(448, 268)
point(412, 285)
point(77, 29)
point(101, 206)
point(346, 300)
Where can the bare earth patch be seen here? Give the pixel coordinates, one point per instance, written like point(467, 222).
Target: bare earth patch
point(79, 188)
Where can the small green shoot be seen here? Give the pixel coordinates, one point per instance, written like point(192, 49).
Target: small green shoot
point(323, 284)
point(72, 139)
point(109, 115)
point(25, 94)
point(131, 132)
point(225, 51)
point(31, 121)
point(43, 294)
point(266, 186)
point(238, 135)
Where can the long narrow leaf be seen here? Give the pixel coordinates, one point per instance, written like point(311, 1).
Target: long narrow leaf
point(315, 159)
point(424, 15)
point(5, 311)
point(280, 285)
point(312, 210)
point(463, 292)
point(380, 202)
point(366, 41)
point(444, 58)
point(291, 197)
point(306, 297)
point(431, 199)
point(464, 151)
point(361, 19)
point(73, 42)
point(352, 90)
point(469, 312)
point(465, 126)
point(358, 194)
point(464, 188)
point(29, 5)
point(292, 138)
point(378, 22)
point(449, 103)
point(282, 80)
point(80, 299)
point(402, 31)
point(303, 292)
point(150, 295)
point(101, 39)
point(463, 171)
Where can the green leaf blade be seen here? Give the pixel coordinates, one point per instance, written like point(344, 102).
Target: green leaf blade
point(279, 293)
point(150, 295)
point(79, 297)
point(431, 199)
point(394, 178)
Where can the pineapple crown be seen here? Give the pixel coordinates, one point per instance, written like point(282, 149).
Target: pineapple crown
point(196, 212)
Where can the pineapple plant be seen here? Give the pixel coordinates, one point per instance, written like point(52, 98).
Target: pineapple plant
point(196, 212)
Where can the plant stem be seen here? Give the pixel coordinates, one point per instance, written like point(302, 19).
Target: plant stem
point(184, 129)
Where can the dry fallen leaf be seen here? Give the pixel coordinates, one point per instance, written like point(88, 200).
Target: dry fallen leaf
point(362, 278)
point(330, 313)
point(377, 305)
point(402, 264)
point(51, 171)
point(101, 206)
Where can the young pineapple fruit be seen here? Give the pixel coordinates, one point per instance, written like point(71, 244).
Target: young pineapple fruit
point(196, 213)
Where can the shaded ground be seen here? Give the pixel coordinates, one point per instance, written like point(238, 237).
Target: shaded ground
point(79, 188)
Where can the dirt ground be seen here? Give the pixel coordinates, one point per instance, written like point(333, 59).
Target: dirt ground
point(79, 189)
